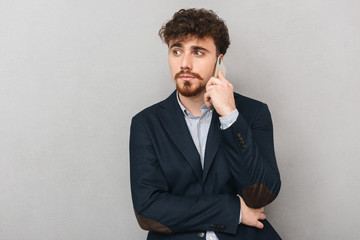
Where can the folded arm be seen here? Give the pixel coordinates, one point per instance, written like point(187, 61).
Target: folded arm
point(158, 209)
point(251, 158)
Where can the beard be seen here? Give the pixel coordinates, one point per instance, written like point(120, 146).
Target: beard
point(188, 88)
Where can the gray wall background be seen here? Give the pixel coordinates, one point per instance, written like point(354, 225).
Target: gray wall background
point(73, 73)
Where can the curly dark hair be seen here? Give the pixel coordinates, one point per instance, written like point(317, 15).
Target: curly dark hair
point(199, 23)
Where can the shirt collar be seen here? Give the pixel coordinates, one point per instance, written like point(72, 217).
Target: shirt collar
point(187, 112)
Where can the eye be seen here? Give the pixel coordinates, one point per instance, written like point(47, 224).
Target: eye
point(198, 53)
point(176, 52)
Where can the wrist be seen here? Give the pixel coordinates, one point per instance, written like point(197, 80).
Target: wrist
point(229, 119)
point(226, 111)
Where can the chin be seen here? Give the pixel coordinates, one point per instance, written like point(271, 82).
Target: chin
point(187, 89)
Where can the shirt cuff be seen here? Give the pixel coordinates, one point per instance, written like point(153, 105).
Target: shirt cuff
point(229, 119)
point(240, 214)
point(240, 209)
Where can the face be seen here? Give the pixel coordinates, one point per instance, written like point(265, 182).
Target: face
point(192, 62)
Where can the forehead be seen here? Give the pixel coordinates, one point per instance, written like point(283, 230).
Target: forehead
point(191, 41)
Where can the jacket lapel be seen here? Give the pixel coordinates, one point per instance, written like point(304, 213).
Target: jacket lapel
point(212, 143)
point(172, 118)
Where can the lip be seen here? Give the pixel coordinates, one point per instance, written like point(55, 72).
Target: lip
point(187, 77)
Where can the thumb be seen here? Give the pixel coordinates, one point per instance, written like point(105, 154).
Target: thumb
point(207, 99)
point(259, 225)
point(220, 75)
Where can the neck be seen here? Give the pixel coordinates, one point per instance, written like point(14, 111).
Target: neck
point(193, 104)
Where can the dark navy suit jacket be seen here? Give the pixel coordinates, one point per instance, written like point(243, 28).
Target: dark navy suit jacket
point(175, 199)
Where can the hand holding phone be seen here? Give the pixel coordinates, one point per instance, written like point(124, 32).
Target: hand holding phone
point(219, 91)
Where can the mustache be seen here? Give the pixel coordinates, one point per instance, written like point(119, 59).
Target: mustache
point(188, 73)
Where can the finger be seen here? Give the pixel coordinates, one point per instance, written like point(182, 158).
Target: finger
point(210, 87)
point(210, 82)
point(259, 225)
point(208, 103)
point(207, 99)
point(214, 81)
point(221, 75)
point(262, 216)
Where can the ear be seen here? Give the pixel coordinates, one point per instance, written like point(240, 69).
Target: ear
point(221, 56)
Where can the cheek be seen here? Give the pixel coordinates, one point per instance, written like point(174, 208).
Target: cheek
point(208, 66)
point(172, 67)
point(173, 62)
point(208, 70)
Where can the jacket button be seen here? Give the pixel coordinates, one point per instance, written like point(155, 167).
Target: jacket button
point(240, 139)
point(238, 136)
point(201, 234)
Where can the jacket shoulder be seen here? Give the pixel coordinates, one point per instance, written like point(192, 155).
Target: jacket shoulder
point(151, 111)
point(244, 102)
point(147, 113)
point(251, 109)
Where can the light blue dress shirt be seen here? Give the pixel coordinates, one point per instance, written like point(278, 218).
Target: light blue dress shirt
point(199, 129)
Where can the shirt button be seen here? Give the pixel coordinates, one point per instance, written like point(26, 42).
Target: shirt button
point(201, 234)
point(211, 238)
point(201, 121)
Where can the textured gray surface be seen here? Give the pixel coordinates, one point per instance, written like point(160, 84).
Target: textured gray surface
point(74, 72)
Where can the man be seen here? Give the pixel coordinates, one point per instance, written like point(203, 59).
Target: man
point(202, 161)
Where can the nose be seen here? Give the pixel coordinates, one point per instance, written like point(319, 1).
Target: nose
point(186, 62)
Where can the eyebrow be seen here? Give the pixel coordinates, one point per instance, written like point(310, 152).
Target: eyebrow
point(177, 44)
point(199, 48)
point(195, 48)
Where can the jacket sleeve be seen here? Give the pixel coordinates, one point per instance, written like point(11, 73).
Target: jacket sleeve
point(251, 158)
point(157, 209)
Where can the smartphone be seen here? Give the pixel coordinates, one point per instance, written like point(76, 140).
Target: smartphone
point(220, 66)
